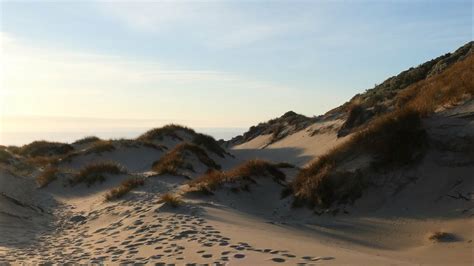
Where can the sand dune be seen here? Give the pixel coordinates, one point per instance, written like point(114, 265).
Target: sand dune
point(408, 212)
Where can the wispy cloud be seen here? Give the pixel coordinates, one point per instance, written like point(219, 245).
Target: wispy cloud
point(218, 24)
point(45, 81)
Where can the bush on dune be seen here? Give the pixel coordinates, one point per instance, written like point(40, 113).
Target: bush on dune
point(165, 131)
point(212, 180)
point(171, 199)
point(86, 140)
point(124, 187)
point(175, 159)
point(45, 148)
point(209, 143)
point(96, 172)
point(100, 147)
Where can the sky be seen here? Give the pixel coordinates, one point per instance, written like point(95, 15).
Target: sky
point(110, 66)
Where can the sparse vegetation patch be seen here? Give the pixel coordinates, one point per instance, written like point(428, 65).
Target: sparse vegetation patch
point(209, 143)
point(101, 147)
point(124, 187)
point(396, 138)
point(172, 200)
point(241, 175)
point(47, 176)
point(175, 159)
point(86, 140)
point(96, 172)
point(45, 148)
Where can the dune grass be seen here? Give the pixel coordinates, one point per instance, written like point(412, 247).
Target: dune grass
point(209, 143)
point(101, 146)
point(447, 88)
point(175, 160)
point(396, 138)
point(170, 130)
point(45, 148)
point(86, 140)
point(47, 176)
point(212, 180)
point(124, 187)
point(96, 172)
point(172, 200)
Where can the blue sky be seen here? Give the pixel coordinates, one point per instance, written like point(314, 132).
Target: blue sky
point(212, 63)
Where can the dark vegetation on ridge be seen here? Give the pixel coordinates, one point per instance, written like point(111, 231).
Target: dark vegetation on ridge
point(44, 148)
point(86, 140)
point(394, 138)
point(170, 131)
point(279, 128)
point(382, 98)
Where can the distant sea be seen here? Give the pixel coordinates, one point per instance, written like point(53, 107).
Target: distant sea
point(21, 138)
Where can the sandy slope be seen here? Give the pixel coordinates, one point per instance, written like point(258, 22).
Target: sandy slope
point(298, 148)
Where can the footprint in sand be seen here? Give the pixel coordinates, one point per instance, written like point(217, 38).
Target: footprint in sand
point(279, 260)
point(207, 256)
point(239, 256)
point(322, 258)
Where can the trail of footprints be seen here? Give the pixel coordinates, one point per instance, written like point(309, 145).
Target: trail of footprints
point(164, 237)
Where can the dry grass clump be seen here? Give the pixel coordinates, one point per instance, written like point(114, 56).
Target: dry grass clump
point(47, 176)
point(95, 172)
point(243, 173)
point(174, 160)
point(441, 237)
point(447, 88)
point(100, 147)
point(86, 140)
point(257, 168)
point(171, 200)
point(124, 187)
point(165, 131)
point(45, 148)
point(209, 143)
point(396, 138)
point(42, 161)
